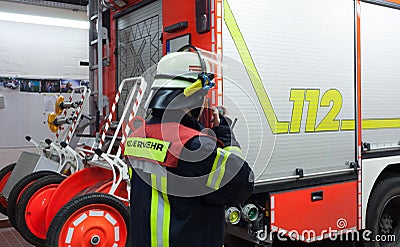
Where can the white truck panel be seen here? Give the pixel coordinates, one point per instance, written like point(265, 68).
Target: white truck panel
point(380, 77)
point(313, 49)
point(380, 60)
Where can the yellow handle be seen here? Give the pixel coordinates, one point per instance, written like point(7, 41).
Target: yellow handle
point(58, 109)
point(196, 86)
point(50, 122)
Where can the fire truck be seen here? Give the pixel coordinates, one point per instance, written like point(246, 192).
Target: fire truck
point(317, 100)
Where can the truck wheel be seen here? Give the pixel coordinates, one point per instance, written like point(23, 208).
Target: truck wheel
point(18, 189)
point(383, 214)
point(90, 220)
point(5, 173)
point(32, 206)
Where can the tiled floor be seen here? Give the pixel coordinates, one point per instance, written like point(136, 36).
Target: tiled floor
point(9, 237)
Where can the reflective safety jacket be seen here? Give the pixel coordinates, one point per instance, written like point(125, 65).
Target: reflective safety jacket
point(181, 181)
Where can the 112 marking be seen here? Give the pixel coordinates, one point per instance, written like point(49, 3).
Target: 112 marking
point(331, 98)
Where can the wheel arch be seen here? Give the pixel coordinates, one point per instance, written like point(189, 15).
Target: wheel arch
point(374, 171)
point(391, 170)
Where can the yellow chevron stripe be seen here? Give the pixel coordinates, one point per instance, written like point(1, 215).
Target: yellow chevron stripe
point(276, 126)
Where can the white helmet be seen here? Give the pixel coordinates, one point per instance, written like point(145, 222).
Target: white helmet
point(181, 81)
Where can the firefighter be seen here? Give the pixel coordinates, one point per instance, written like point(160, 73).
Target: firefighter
point(183, 175)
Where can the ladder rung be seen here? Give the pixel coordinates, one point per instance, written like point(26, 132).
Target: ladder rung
point(94, 67)
point(93, 42)
point(106, 63)
point(94, 17)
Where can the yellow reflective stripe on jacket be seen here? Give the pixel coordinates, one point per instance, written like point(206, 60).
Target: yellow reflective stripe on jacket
point(218, 169)
point(130, 172)
point(167, 212)
point(153, 212)
point(160, 214)
point(148, 148)
point(235, 150)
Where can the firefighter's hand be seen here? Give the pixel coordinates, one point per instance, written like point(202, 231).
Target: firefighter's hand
point(215, 120)
point(221, 126)
point(223, 110)
point(223, 116)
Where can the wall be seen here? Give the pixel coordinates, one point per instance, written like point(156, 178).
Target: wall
point(32, 50)
point(36, 51)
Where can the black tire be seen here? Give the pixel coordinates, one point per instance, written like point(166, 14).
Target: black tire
point(91, 201)
point(22, 204)
point(16, 191)
point(3, 172)
point(383, 214)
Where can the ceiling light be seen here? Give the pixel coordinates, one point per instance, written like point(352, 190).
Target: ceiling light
point(41, 20)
